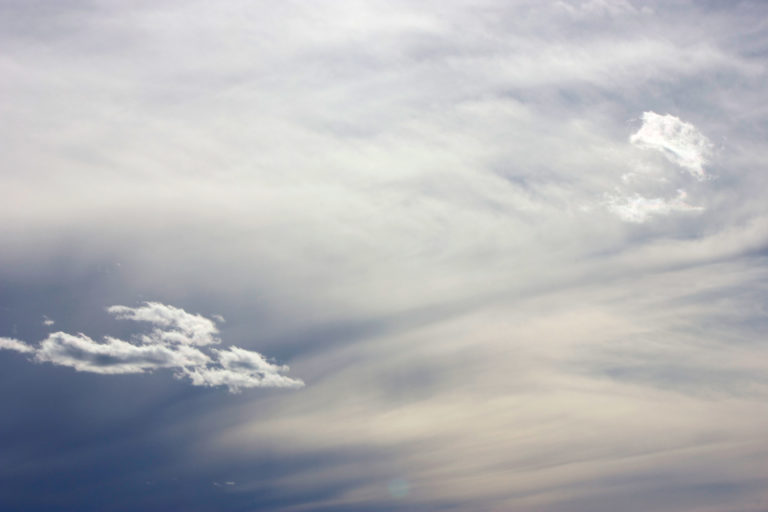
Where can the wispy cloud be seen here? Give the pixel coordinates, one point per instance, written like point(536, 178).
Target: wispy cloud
point(14, 344)
point(636, 208)
point(517, 248)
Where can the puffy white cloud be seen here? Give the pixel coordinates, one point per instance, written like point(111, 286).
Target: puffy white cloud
point(13, 344)
point(239, 378)
point(240, 368)
point(167, 346)
point(679, 141)
point(174, 324)
point(113, 355)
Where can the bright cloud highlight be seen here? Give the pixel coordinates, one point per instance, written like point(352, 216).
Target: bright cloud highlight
point(639, 209)
point(680, 142)
point(12, 344)
point(173, 325)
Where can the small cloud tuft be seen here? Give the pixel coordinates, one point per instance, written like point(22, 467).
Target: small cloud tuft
point(638, 209)
point(13, 344)
point(680, 142)
point(173, 325)
point(178, 341)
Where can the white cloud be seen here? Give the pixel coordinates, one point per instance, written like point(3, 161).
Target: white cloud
point(48, 321)
point(239, 368)
point(113, 355)
point(235, 380)
point(12, 344)
point(168, 346)
point(679, 141)
point(682, 144)
point(174, 324)
point(639, 209)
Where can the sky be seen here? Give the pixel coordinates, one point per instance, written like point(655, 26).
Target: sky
point(383, 256)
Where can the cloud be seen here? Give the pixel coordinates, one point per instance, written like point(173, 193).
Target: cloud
point(235, 380)
point(598, 7)
point(48, 321)
point(13, 344)
point(171, 345)
point(403, 220)
point(113, 355)
point(639, 209)
point(680, 142)
point(240, 368)
point(174, 325)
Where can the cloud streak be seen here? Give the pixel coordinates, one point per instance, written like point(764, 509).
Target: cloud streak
point(639, 209)
point(16, 345)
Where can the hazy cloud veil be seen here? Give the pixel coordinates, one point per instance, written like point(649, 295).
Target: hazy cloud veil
point(513, 252)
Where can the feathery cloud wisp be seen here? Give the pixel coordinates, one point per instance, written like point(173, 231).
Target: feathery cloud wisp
point(638, 209)
point(13, 344)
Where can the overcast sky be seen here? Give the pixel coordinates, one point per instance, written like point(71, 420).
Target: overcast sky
point(370, 255)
